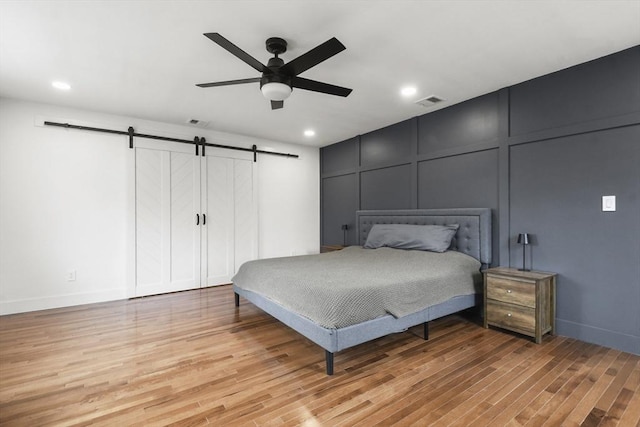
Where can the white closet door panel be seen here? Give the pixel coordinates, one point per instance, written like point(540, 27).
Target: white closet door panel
point(245, 213)
point(167, 237)
point(185, 233)
point(152, 220)
point(218, 244)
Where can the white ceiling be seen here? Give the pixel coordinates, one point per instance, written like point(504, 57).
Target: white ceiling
point(143, 58)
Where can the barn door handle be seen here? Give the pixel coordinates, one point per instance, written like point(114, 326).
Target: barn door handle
point(197, 219)
point(204, 219)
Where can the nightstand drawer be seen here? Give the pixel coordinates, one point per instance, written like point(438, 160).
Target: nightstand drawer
point(511, 316)
point(511, 291)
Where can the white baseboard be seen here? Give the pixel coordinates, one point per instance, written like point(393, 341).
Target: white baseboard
point(57, 301)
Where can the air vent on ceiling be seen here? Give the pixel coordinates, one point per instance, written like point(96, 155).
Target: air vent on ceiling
point(196, 122)
point(429, 101)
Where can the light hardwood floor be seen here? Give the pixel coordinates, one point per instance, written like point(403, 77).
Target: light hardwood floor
point(192, 358)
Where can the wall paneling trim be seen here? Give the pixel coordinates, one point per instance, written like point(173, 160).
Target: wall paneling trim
point(540, 154)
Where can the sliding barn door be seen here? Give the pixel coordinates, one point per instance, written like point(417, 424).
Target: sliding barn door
point(168, 236)
point(196, 217)
point(228, 198)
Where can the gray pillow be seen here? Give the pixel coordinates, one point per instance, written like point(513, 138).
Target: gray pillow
point(435, 238)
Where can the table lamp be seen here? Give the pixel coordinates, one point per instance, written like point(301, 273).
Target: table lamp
point(523, 239)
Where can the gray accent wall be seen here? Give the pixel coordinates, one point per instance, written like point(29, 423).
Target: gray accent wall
point(540, 154)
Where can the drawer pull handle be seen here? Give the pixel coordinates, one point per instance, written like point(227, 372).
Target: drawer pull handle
point(508, 291)
point(508, 314)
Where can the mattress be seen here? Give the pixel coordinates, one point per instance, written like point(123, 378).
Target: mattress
point(354, 285)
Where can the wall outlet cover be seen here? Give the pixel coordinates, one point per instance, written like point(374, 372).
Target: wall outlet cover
point(608, 203)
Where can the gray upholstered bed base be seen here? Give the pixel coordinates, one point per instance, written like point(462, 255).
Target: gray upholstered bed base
point(334, 340)
point(473, 238)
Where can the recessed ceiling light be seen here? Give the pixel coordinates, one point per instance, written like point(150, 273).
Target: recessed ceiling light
point(408, 91)
point(309, 133)
point(61, 85)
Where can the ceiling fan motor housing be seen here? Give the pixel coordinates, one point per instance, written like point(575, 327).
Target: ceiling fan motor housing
point(276, 45)
point(274, 76)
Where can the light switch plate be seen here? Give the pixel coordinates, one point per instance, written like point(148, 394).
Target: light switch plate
point(608, 203)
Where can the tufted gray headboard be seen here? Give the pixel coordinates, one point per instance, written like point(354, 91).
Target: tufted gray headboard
point(473, 237)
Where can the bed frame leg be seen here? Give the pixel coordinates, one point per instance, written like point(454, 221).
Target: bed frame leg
point(237, 299)
point(425, 325)
point(329, 359)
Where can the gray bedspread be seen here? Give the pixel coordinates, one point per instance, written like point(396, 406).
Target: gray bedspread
point(350, 286)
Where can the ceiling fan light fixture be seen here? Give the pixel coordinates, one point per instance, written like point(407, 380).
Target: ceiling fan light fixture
point(276, 91)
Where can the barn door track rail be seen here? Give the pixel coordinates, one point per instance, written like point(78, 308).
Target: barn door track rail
point(197, 141)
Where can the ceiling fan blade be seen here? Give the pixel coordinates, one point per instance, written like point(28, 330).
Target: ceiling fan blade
point(235, 50)
point(315, 56)
point(230, 82)
point(276, 105)
point(316, 86)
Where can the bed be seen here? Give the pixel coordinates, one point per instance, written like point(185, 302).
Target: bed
point(278, 285)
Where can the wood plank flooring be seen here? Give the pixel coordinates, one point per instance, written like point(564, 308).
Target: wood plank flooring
point(192, 358)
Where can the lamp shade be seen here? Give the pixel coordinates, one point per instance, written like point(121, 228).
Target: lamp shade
point(523, 238)
point(276, 91)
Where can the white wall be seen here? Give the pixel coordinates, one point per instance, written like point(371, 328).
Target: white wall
point(66, 203)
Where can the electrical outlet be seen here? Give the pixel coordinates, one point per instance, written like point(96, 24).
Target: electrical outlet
point(71, 276)
point(608, 203)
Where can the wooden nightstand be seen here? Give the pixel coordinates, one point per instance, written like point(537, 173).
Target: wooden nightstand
point(520, 301)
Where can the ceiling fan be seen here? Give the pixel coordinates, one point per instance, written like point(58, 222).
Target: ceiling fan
point(278, 79)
